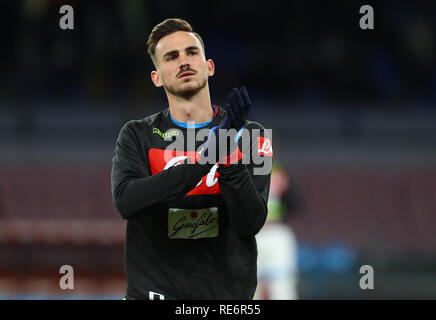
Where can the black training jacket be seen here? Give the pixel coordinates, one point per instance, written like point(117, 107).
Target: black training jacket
point(191, 227)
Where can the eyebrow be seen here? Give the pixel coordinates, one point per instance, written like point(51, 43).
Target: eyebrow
point(190, 48)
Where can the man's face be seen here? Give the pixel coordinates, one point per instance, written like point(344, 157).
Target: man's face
point(182, 68)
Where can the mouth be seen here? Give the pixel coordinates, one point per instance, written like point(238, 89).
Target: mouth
point(186, 74)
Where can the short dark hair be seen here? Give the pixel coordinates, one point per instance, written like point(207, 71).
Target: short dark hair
point(166, 27)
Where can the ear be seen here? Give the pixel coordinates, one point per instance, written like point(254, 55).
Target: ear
point(155, 77)
point(210, 68)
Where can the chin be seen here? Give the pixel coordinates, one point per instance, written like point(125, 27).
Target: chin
point(187, 90)
point(189, 87)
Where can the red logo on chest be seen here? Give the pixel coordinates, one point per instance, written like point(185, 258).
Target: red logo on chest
point(161, 160)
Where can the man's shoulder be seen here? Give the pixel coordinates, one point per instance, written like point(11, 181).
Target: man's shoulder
point(253, 125)
point(155, 117)
point(148, 121)
point(258, 130)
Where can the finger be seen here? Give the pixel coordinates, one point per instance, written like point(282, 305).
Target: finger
point(228, 116)
point(228, 103)
point(234, 119)
point(239, 99)
point(231, 113)
point(246, 98)
point(239, 118)
point(237, 104)
point(231, 95)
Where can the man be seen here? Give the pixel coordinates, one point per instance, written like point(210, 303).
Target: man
point(191, 224)
point(277, 267)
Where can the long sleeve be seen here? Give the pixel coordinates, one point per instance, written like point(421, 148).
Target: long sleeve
point(246, 193)
point(246, 197)
point(133, 188)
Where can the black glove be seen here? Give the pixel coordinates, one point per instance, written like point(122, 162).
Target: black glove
point(237, 107)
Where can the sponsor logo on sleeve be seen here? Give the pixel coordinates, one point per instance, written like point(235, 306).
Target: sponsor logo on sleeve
point(264, 147)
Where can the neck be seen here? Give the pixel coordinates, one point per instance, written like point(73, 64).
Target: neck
point(195, 109)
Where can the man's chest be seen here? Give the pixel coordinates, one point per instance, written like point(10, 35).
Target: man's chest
point(164, 150)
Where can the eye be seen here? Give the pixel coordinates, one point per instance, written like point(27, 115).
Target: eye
point(192, 53)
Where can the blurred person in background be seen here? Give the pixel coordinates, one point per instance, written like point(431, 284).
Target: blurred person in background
point(277, 245)
point(190, 226)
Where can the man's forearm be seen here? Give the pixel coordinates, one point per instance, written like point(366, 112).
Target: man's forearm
point(132, 195)
point(248, 209)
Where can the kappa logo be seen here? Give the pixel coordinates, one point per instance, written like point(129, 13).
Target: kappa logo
point(264, 147)
point(166, 135)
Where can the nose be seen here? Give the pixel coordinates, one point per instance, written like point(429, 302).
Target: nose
point(184, 66)
point(184, 61)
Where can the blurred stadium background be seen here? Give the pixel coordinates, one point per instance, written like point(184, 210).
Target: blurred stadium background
point(353, 117)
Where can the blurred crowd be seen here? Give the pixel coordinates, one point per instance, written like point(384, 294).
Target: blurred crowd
point(303, 51)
